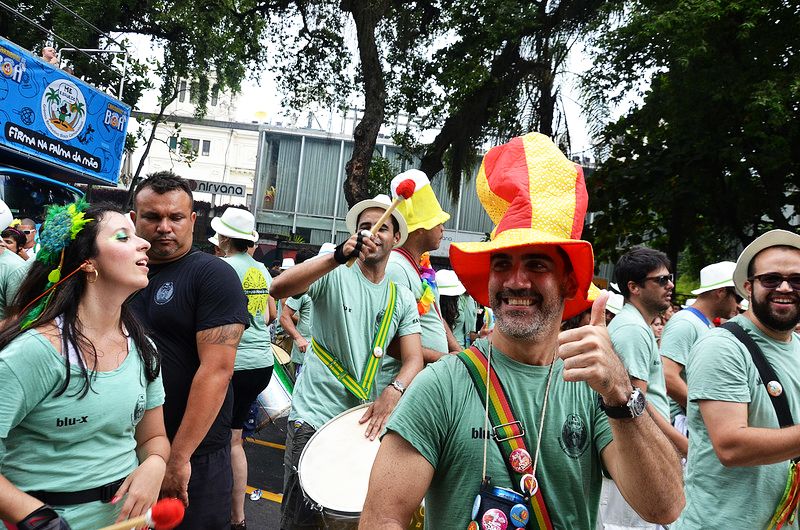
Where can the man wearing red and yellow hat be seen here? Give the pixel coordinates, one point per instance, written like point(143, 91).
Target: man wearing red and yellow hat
point(560, 406)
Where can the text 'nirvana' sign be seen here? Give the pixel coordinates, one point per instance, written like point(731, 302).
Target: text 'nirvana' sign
point(218, 188)
point(50, 115)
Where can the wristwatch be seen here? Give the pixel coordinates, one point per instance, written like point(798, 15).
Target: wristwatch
point(398, 385)
point(632, 409)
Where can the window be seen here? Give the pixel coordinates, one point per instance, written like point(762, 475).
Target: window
point(182, 91)
point(172, 143)
point(206, 147)
point(194, 89)
point(215, 95)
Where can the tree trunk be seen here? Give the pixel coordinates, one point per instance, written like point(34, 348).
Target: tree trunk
point(366, 15)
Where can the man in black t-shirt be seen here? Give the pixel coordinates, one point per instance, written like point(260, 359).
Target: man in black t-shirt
point(195, 311)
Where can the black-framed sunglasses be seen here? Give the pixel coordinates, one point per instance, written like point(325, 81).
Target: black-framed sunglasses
point(662, 280)
point(773, 280)
point(732, 291)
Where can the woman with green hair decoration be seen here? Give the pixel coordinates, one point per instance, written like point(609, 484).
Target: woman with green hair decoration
point(82, 439)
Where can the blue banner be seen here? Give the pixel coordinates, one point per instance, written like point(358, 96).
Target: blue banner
point(50, 115)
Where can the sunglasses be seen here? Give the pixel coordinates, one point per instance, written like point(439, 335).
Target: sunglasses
point(731, 291)
point(773, 280)
point(27, 231)
point(662, 280)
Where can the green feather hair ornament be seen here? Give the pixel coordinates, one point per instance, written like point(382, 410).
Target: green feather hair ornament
point(61, 226)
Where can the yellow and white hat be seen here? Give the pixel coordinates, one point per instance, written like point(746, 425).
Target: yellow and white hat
point(422, 209)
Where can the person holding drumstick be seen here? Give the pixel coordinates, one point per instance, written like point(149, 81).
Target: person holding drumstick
point(81, 426)
point(359, 316)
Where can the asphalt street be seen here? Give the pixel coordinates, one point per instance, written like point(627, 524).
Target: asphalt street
point(265, 472)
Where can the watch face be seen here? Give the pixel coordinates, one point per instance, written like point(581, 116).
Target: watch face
point(637, 403)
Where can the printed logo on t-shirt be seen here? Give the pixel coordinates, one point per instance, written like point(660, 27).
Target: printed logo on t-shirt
point(574, 436)
point(138, 410)
point(164, 293)
point(68, 422)
point(480, 433)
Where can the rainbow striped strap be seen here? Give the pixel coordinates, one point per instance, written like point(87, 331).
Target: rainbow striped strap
point(363, 388)
point(506, 430)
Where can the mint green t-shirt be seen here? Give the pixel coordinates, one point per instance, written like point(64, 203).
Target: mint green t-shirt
point(67, 443)
point(680, 333)
point(347, 312)
point(254, 349)
point(721, 369)
point(402, 272)
point(636, 345)
point(304, 309)
point(466, 320)
point(12, 271)
point(442, 416)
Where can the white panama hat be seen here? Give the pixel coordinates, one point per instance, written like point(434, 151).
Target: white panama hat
point(773, 238)
point(448, 283)
point(287, 263)
point(214, 240)
point(326, 248)
point(380, 201)
point(715, 276)
point(615, 302)
point(236, 223)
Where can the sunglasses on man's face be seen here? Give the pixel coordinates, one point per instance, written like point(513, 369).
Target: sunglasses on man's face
point(662, 280)
point(732, 292)
point(26, 232)
point(773, 280)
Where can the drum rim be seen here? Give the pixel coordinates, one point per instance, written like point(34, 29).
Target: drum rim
point(303, 453)
point(282, 350)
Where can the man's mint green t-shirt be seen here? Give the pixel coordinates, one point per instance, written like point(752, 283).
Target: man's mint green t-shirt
point(442, 416)
point(12, 271)
point(466, 320)
point(680, 334)
point(636, 345)
point(402, 272)
point(67, 443)
point(721, 369)
point(304, 308)
point(255, 350)
point(348, 309)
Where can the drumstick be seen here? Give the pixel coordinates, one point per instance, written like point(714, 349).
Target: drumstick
point(164, 515)
point(404, 190)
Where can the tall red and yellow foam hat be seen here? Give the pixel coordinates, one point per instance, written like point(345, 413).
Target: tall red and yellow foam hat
point(535, 196)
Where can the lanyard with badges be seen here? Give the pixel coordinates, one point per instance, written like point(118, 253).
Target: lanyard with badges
point(786, 511)
point(361, 389)
point(499, 507)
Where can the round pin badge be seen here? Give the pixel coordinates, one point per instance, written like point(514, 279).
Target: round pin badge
point(774, 388)
point(519, 515)
point(520, 460)
point(494, 519)
point(475, 507)
point(377, 352)
point(528, 485)
point(473, 525)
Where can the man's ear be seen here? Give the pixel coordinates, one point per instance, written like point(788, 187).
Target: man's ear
point(634, 288)
point(571, 286)
point(133, 216)
point(748, 288)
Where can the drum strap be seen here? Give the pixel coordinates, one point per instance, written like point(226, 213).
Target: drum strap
point(361, 389)
point(506, 430)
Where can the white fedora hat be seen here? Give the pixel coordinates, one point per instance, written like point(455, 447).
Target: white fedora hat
point(380, 201)
point(615, 302)
point(236, 223)
point(773, 238)
point(715, 276)
point(287, 263)
point(214, 240)
point(448, 283)
point(326, 248)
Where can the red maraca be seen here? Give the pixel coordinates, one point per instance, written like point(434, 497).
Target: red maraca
point(404, 190)
point(164, 515)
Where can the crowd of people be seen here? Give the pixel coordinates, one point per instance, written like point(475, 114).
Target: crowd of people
point(506, 392)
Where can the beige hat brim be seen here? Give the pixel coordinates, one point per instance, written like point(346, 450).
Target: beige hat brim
point(773, 238)
point(223, 230)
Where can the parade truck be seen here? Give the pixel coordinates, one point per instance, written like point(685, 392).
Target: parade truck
point(56, 131)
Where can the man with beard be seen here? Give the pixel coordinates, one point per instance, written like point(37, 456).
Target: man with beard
point(409, 266)
point(353, 308)
point(738, 454)
point(440, 443)
point(646, 284)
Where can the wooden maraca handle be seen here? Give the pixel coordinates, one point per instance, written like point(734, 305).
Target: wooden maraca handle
point(377, 226)
point(136, 522)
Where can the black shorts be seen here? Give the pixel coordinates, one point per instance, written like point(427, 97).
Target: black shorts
point(247, 385)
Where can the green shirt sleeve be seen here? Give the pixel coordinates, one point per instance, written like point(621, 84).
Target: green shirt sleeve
point(717, 369)
point(409, 317)
point(423, 414)
point(677, 340)
point(633, 345)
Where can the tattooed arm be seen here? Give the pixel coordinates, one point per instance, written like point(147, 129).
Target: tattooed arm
point(216, 348)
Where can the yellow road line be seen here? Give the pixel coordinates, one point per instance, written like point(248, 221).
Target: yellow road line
point(274, 497)
point(266, 444)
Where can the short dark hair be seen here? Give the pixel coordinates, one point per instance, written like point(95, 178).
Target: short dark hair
point(162, 182)
point(16, 235)
point(240, 245)
point(636, 264)
point(303, 255)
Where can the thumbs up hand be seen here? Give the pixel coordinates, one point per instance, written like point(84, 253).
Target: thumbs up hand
point(589, 356)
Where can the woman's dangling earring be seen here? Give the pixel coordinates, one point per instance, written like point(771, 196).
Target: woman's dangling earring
point(96, 275)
